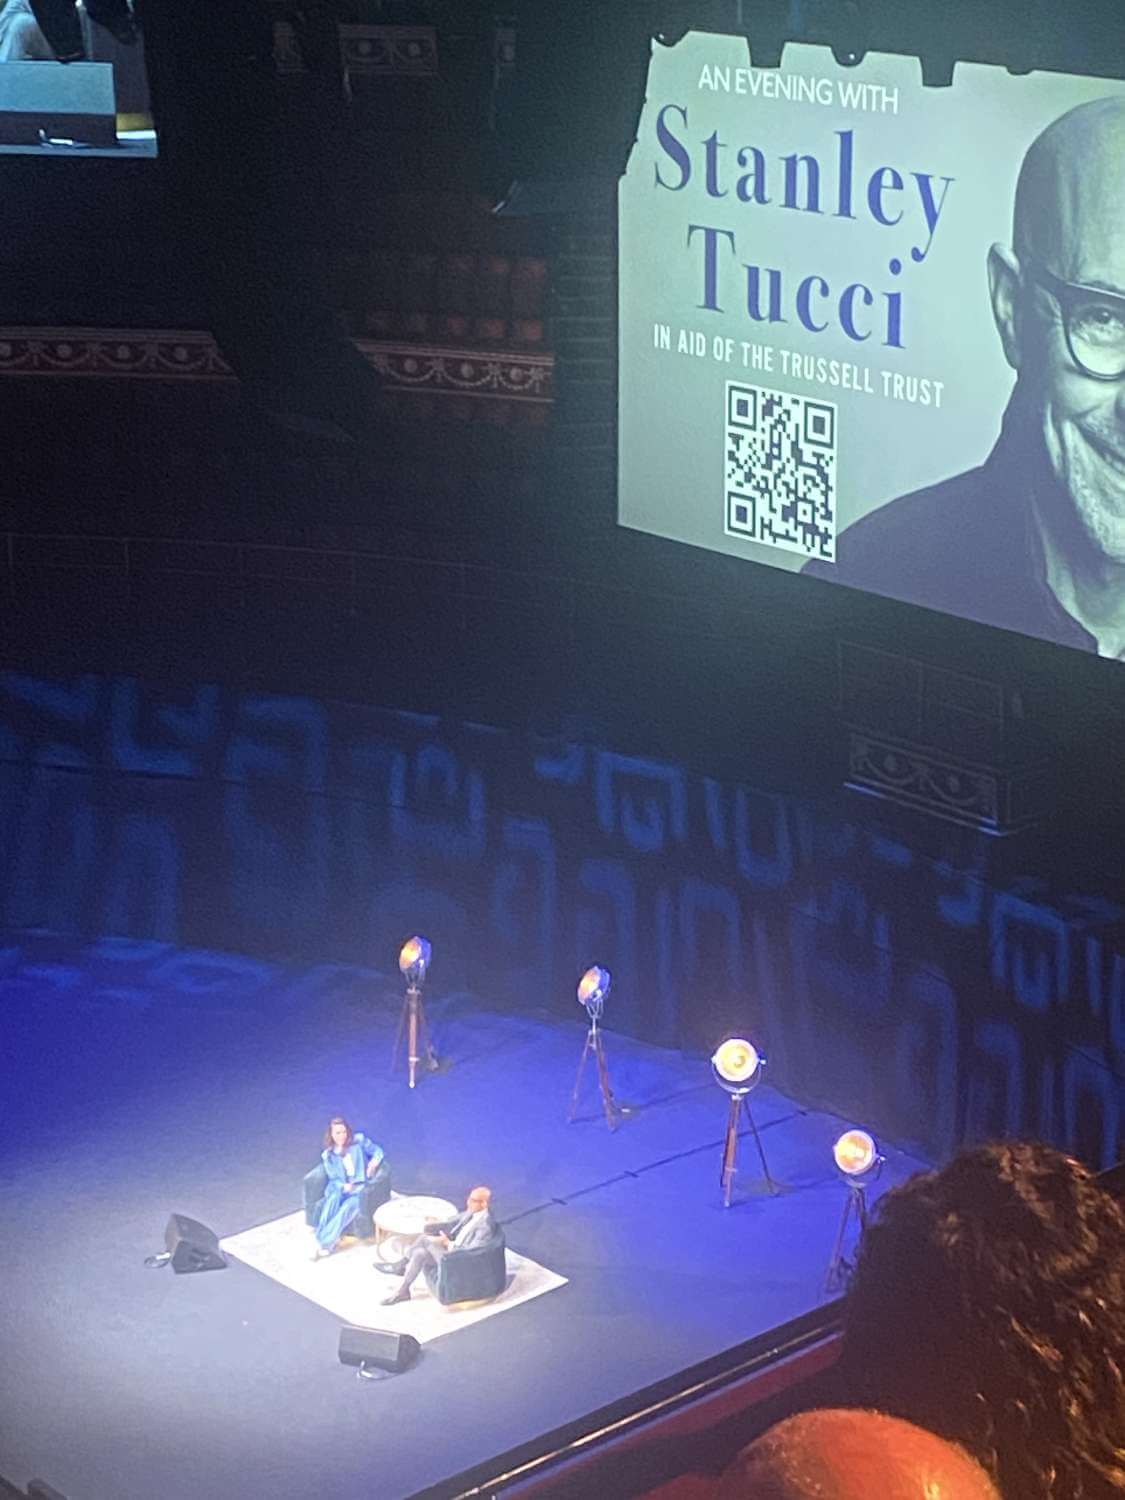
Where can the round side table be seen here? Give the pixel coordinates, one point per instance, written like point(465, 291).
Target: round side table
point(401, 1221)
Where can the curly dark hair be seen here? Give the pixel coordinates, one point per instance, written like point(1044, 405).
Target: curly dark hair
point(988, 1304)
point(338, 1120)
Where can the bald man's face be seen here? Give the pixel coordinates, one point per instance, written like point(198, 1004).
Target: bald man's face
point(1083, 418)
point(1073, 229)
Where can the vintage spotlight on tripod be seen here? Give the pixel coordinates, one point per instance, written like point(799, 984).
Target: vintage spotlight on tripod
point(737, 1066)
point(593, 988)
point(413, 961)
point(859, 1164)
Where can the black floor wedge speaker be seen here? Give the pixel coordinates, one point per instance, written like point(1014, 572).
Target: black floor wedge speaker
point(45, 100)
point(192, 1246)
point(384, 1351)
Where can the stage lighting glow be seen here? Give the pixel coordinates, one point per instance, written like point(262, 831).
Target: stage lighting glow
point(414, 959)
point(856, 1153)
point(736, 1063)
point(594, 986)
point(857, 1157)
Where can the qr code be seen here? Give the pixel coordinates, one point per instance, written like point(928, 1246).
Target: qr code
point(781, 470)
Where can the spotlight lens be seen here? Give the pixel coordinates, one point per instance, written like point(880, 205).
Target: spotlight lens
point(736, 1061)
point(594, 985)
point(414, 956)
point(855, 1153)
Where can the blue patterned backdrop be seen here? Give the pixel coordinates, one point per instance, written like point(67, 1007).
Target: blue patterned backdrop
point(171, 830)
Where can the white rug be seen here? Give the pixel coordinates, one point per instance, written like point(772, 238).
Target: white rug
point(347, 1285)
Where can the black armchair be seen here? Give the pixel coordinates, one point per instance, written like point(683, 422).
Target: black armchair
point(470, 1275)
point(374, 1194)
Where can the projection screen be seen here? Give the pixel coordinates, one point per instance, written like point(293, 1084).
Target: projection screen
point(850, 346)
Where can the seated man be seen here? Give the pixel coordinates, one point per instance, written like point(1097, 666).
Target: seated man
point(468, 1231)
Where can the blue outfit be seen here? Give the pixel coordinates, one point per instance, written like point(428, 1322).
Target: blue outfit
point(337, 1208)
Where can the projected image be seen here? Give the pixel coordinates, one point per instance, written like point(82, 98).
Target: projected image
point(72, 78)
point(876, 332)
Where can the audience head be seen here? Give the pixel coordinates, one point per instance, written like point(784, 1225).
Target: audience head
point(853, 1455)
point(988, 1305)
point(339, 1133)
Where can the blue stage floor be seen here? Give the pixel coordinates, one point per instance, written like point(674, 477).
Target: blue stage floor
point(129, 1098)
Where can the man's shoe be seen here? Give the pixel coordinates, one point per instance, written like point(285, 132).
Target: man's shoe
point(391, 1267)
point(397, 1297)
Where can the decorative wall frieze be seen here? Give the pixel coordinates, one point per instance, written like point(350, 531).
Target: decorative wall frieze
point(191, 355)
point(996, 799)
point(389, 51)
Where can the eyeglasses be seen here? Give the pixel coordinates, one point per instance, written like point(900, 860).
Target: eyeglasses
point(1093, 324)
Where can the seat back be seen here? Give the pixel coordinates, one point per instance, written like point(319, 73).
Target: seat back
point(313, 1185)
point(467, 1275)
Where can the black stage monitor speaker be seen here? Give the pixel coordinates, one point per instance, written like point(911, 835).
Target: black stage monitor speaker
point(192, 1246)
point(386, 1351)
point(47, 103)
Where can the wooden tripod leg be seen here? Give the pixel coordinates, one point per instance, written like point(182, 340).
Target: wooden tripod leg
point(398, 1034)
point(412, 1037)
point(578, 1080)
point(836, 1264)
point(761, 1153)
point(730, 1150)
point(426, 1051)
point(609, 1103)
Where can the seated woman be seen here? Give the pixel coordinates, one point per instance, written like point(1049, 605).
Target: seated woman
point(350, 1159)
